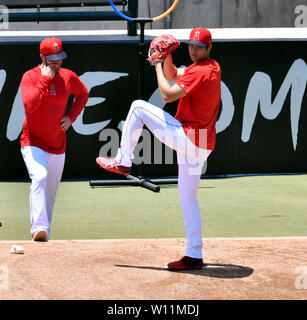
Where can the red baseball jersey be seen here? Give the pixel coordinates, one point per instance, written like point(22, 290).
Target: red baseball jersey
point(45, 103)
point(199, 109)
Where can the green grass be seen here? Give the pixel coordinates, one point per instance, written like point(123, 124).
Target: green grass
point(255, 206)
point(252, 206)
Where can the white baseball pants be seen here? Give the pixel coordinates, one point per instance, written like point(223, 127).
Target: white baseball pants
point(190, 161)
point(45, 171)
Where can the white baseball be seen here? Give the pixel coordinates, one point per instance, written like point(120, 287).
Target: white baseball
point(17, 249)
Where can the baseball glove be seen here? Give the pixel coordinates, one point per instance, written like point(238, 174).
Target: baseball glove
point(161, 47)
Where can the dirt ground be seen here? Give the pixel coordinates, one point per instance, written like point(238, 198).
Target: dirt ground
point(253, 268)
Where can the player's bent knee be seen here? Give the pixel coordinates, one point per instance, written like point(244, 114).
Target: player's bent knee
point(137, 104)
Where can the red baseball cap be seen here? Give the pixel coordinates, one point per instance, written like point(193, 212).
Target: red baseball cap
point(52, 49)
point(200, 37)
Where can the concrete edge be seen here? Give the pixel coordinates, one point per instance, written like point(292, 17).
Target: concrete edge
point(218, 34)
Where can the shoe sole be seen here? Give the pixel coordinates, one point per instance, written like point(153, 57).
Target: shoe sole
point(40, 235)
point(185, 268)
point(101, 165)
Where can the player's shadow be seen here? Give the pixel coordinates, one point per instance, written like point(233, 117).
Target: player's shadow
point(223, 271)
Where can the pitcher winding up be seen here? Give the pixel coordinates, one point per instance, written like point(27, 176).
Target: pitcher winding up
point(191, 133)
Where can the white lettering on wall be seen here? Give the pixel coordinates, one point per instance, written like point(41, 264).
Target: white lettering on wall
point(227, 111)
point(16, 118)
point(258, 96)
point(92, 79)
point(259, 92)
point(2, 78)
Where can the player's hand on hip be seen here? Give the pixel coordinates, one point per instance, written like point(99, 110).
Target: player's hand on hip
point(65, 123)
point(48, 71)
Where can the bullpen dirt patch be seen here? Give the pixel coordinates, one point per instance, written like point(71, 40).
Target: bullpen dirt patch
point(254, 268)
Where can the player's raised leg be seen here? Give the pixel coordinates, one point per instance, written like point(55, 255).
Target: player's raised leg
point(164, 127)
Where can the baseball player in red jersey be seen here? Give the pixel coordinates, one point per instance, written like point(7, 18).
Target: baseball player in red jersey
point(45, 91)
point(192, 131)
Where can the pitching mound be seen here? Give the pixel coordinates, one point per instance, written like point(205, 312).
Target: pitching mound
point(258, 268)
